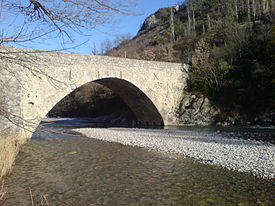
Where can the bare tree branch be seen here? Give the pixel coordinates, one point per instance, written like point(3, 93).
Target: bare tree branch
point(43, 18)
point(27, 21)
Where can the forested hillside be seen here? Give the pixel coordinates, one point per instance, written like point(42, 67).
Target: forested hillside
point(230, 46)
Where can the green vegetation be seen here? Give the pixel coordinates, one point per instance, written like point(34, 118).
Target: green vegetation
point(230, 46)
point(159, 40)
point(237, 72)
point(179, 28)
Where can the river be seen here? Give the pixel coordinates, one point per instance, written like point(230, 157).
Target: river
point(62, 167)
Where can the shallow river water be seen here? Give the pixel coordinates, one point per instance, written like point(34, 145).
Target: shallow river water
point(69, 169)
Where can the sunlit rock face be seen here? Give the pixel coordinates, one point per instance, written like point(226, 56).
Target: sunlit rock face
point(149, 22)
point(158, 18)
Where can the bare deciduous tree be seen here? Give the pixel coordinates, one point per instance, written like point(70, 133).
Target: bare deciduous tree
point(120, 38)
point(106, 45)
point(31, 20)
point(172, 26)
point(26, 21)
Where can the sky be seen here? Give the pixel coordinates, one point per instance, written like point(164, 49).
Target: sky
point(126, 24)
point(122, 25)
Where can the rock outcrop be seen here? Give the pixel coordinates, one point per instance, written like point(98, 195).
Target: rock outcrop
point(196, 110)
point(149, 22)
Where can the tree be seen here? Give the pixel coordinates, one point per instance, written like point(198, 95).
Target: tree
point(179, 29)
point(26, 21)
point(236, 10)
point(248, 11)
point(106, 45)
point(122, 38)
point(172, 26)
point(94, 50)
point(189, 20)
point(32, 20)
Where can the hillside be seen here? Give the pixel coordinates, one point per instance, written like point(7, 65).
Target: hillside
point(152, 41)
point(230, 48)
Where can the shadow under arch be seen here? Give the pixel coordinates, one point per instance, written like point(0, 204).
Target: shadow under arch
point(143, 108)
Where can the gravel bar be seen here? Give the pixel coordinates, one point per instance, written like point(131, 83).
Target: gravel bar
point(250, 156)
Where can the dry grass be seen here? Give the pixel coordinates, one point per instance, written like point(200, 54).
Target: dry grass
point(9, 147)
point(10, 143)
point(38, 201)
point(2, 194)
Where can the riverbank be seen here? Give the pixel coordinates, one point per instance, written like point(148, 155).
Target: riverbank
point(9, 148)
point(242, 155)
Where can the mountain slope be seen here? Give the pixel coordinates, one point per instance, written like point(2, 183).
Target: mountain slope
point(230, 48)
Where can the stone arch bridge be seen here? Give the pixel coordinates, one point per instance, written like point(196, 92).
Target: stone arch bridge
point(34, 81)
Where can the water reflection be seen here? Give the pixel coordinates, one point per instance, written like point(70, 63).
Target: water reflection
point(266, 134)
point(73, 170)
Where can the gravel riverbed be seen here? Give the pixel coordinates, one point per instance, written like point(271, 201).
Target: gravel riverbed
point(250, 156)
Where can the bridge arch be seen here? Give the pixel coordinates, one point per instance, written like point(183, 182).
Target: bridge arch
point(141, 105)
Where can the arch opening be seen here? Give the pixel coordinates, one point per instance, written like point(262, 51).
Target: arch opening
point(110, 100)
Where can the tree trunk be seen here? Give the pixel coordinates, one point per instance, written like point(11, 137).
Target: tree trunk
point(236, 10)
point(172, 24)
point(94, 49)
point(189, 21)
point(263, 4)
point(194, 20)
point(248, 11)
point(254, 9)
point(267, 6)
point(208, 21)
point(271, 4)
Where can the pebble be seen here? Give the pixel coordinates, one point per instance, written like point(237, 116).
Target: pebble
point(238, 154)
